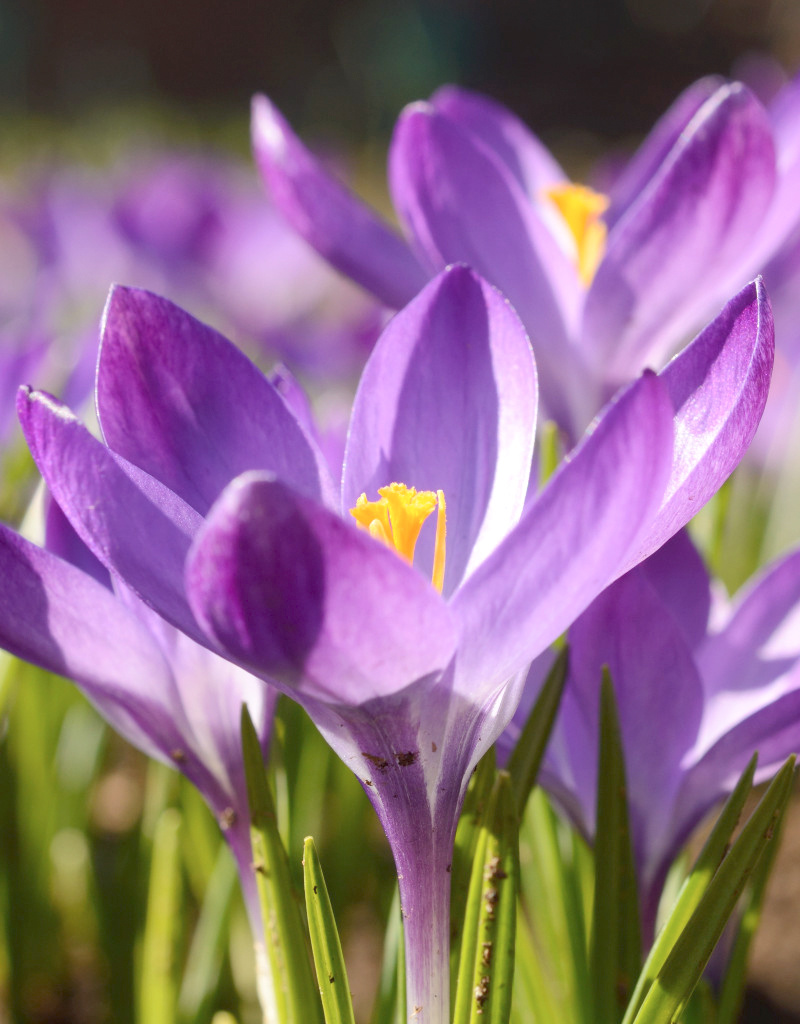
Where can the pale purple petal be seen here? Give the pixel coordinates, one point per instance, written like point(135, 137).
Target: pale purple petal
point(462, 204)
point(57, 617)
point(692, 223)
point(570, 541)
point(531, 163)
point(329, 217)
point(448, 401)
point(181, 402)
point(665, 134)
point(207, 699)
point(784, 213)
point(760, 641)
point(135, 526)
point(293, 591)
point(718, 386)
point(772, 729)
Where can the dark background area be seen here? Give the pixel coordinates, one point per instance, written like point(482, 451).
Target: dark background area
point(605, 67)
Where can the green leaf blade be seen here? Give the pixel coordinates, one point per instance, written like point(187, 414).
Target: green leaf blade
point(334, 990)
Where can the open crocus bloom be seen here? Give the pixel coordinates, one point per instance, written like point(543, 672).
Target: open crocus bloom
point(698, 690)
point(172, 698)
point(604, 287)
point(405, 637)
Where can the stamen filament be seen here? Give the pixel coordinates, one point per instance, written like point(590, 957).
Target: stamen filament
point(437, 578)
point(396, 520)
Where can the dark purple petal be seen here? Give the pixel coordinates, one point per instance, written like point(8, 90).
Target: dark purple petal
point(570, 542)
point(181, 402)
point(135, 526)
point(62, 540)
point(339, 226)
point(531, 163)
point(448, 401)
point(691, 224)
point(679, 576)
point(462, 204)
point(293, 591)
point(718, 386)
point(665, 134)
point(659, 696)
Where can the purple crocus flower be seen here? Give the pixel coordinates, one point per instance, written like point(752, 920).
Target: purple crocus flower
point(175, 700)
point(604, 285)
point(699, 689)
point(407, 647)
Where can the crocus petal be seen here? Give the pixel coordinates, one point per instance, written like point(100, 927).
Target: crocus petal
point(679, 576)
point(570, 541)
point(760, 640)
point(462, 204)
point(448, 401)
point(784, 112)
point(59, 618)
point(207, 698)
point(628, 629)
point(291, 590)
point(656, 147)
point(773, 730)
point(329, 217)
point(531, 163)
point(691, 223)
point(718, 386)
point(62, 540)
point(181, 402)
point(137, 527)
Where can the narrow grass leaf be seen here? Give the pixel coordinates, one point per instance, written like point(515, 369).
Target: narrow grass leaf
point(486, 972)
point(204, 961)
point(475, 803)
point(334, 989)
point(287, 981)
point(523, 765)
point(733, 986)
point(696, 883)
point(616, 942)
point(683, 967)
point(391, 980)
point(158, 985)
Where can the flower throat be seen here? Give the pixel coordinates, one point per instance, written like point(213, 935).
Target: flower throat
point(397, 517)
point(582, 208)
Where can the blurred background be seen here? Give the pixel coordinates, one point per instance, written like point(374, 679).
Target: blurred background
point(344, 67)
point(112, 113)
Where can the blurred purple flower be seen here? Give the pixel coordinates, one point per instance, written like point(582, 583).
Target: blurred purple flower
point(408, 684)
point(167, 695)
point(181, 223)
point(698, 690)
point(711, 194)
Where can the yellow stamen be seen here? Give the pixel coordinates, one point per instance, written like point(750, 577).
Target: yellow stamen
point(397, 517)
point(582, 208)
point(437, 577)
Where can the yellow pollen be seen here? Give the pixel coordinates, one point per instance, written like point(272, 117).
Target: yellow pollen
point(582, 208)
point(396, 519)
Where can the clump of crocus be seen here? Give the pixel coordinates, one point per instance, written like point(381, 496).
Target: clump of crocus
point(701, 683)
point(406, 636)
point(605, 285)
